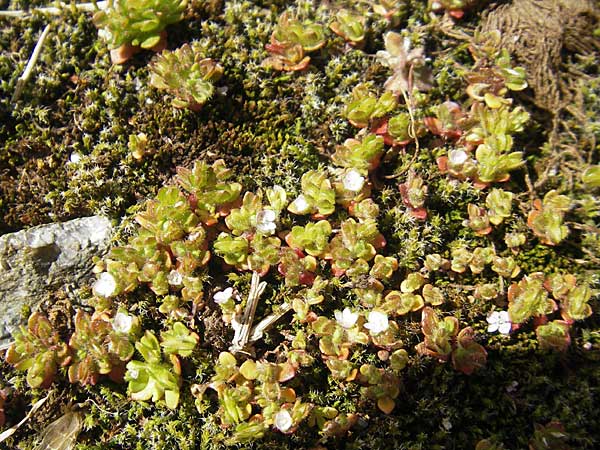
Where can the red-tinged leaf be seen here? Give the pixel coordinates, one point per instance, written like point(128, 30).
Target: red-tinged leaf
point(480, 185)
point(484, 231)
point(554, 336)
point(117, 374)
point(442, 163)
point(352, 207)
point(311, 317)
point(161, 44)
point(380, 127)
point(286, 372)
point(281, 269)
point(418, 213)
point(468, 355)
point(307, 278)
point(457, 13)
point(375, 162)
point(434, 125)
point(275, 46)
point(540, 320)
point(429, 320)
point(379, 241)
point(194, 106)
point(337, 272)
point(123, 53)
point(513, 292)
point(403, 188)
point(423, 350)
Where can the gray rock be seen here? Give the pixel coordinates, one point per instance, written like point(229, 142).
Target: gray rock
point(39, 260)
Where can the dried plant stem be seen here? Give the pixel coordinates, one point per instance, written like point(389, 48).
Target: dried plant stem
point(56, 10)
point(408, 99)
point(30, 64)
point(10, 431)
point(412, 129)
point(242, 330)
point(267, 322)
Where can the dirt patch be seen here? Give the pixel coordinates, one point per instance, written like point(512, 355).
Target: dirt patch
point(538, 34)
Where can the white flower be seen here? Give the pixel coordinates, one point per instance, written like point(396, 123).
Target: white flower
point(377, 322)
point(222, 296)
point(105, 285)
point(383, 57)
point(175, 278)
point(499, 321)
point(193, 236)
point(283, 421)
point(300, 205)
point(457, 157)
point(353, 181)
point(346, 318)
point(122, 322)
point(75, 157)
point(133, 373)
point(265, 221)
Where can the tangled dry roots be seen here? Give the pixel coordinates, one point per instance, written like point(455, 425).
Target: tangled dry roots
point(538, 33)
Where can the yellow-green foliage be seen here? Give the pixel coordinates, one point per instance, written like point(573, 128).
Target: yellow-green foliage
point(137, 22)
point(384, 188)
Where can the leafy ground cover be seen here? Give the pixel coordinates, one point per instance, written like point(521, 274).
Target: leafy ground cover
point(339, 224)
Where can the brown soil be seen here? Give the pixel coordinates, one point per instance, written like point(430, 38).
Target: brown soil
point(538, 34)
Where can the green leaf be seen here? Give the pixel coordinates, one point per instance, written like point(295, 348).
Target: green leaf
point(554, 336)
point(234, 250)
point(178, 340)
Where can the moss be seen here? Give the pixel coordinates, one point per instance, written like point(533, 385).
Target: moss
point(64, 153)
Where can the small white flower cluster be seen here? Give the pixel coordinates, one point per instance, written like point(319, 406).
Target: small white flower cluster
point(265, 221)
point(457, 158)
point(105, 285)
point(499, 321)
point(377, 321)
point(175, 278)
point(283, 421)
point(122, 322)
point(353, 181)
point(300, 205)
point(221, 297)
point(346, 318)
